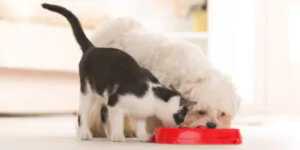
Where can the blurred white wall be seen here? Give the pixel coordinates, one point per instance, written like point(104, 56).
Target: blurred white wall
point(38, 47)
point(232, 26)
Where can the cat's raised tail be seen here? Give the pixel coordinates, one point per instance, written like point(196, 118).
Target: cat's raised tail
point(78, 32)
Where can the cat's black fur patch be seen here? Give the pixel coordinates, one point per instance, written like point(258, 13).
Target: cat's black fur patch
point(152, 78)
point(180, 116)
point(106, 68)
point(112, 100)
point(79, 120)
point(82, 86)
point(164, 93)
point(103, 114)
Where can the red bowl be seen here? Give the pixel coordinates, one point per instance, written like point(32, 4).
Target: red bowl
point(196, 136)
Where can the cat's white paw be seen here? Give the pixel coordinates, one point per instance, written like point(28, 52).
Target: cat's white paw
point(85, 134)
point(144, 137)
point(117, 138)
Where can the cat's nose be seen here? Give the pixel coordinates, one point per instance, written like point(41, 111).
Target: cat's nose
point(211, 125)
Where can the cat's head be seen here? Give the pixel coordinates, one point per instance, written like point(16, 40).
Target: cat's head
point(172, 107)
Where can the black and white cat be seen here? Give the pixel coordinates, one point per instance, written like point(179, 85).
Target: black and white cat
point(114, 77)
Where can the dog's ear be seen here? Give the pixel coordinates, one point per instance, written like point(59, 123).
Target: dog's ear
point(186, 102)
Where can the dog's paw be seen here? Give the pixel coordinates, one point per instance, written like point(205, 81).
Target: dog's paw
point(85, 134)
point(117, 138)
point(129, 134)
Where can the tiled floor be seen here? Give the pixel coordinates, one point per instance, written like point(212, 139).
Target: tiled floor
point(55, 133)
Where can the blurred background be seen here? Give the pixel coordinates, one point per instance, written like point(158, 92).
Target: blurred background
point(256, 42)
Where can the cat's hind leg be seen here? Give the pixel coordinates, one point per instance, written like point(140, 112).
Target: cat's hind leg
point(85, 105)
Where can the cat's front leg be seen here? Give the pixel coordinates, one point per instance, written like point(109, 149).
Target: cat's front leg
point(116, 124)
point(141, 130)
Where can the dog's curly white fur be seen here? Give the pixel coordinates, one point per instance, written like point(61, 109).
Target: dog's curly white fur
point(173, 61)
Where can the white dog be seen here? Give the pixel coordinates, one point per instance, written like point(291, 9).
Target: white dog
point(175, 62)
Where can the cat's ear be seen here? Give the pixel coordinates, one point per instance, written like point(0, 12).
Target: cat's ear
point(186, 102)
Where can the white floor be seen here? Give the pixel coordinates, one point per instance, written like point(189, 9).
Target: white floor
point(56, 133)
